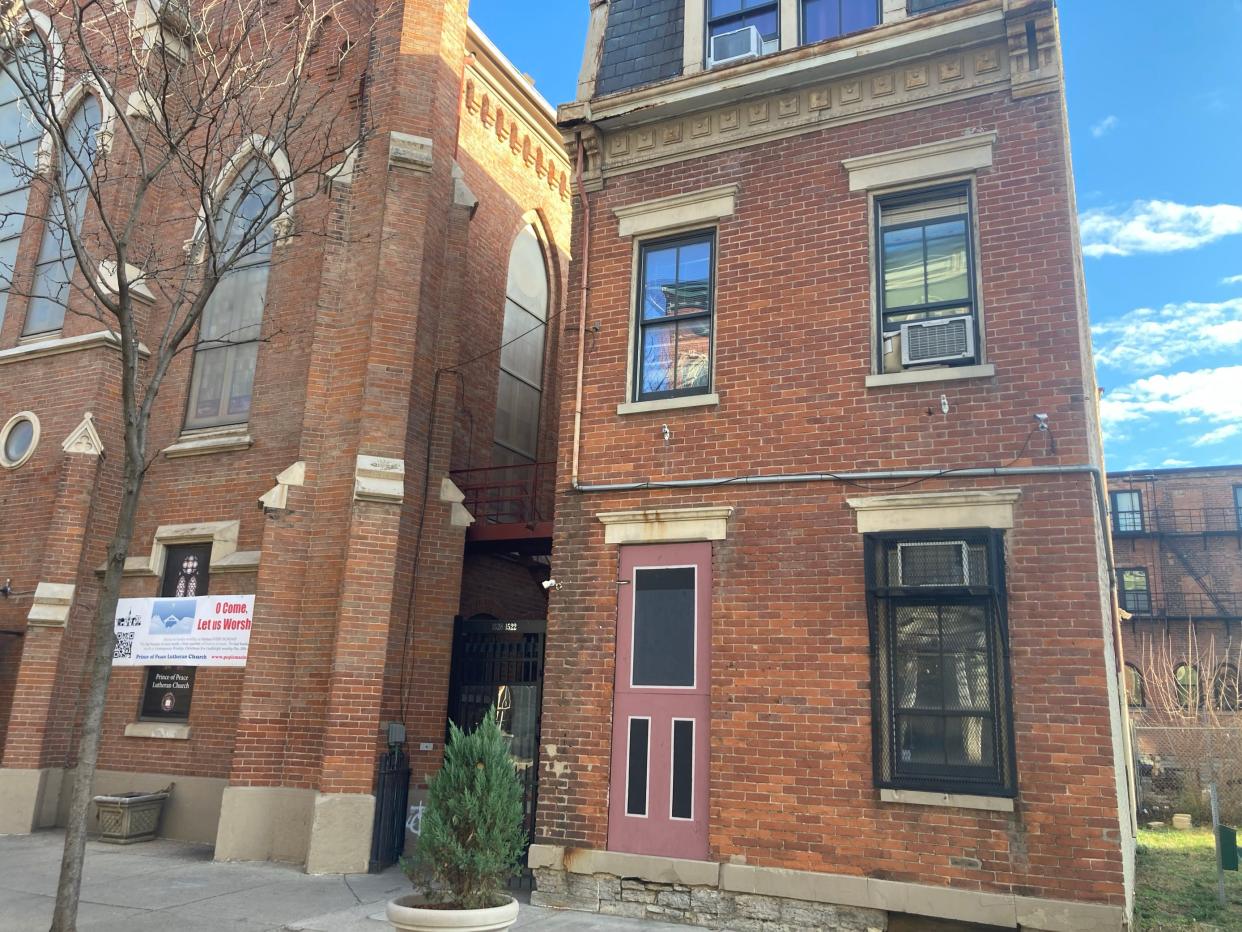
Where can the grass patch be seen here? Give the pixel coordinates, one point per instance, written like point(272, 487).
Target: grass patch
point(1177, 884)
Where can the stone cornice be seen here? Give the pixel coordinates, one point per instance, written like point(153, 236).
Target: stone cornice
point(867, 51)
point(963, 72)
point(500, 99)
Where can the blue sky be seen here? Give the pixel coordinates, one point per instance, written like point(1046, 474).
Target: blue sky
point(1156, 126)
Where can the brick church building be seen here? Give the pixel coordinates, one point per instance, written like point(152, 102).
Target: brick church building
point(367, 470)
point(835, 642)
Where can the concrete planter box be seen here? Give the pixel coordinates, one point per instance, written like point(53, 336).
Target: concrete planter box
point(406, 914)
point(129, 817)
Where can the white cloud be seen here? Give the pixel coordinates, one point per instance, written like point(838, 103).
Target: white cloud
point(1156, 226)
point(1215, 395)
point(1149, 339)
point(1218, 435)
point(1232, 280)
point(1173, 463)
point(1105, 126)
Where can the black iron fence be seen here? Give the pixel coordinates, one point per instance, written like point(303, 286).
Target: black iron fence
point(1206, 520)
point(1182, 605)
point(392, 793)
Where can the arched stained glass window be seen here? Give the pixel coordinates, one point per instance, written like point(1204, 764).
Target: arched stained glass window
point(521, 359)
point(1134, 687)
point(228, 342)
point(56, 262)
point(19, 143)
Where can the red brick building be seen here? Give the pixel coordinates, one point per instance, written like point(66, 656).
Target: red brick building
point(834, 643)
point(1177, 537)
point(324, 474)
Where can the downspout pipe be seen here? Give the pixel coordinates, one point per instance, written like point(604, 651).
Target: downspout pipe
point(585, 253)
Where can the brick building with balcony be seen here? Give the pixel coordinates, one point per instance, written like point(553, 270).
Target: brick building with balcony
point(833, 643)
point(402, 364)
point(1177, 540)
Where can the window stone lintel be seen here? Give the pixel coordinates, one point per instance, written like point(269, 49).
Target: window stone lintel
point(222, 535)
point(677, 212)
point(921, 163)
point(932, 511)
point(665, 525)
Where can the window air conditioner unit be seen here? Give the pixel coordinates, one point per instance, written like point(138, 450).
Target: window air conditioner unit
point(933, 563)
point(947, 340)
point(739, 45)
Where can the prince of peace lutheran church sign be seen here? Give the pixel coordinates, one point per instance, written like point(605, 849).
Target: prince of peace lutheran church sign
point(207, 631)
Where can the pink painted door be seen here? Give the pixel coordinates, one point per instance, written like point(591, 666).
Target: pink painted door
point(658, 789)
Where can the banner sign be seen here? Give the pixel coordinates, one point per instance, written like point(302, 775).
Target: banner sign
point(207, 631)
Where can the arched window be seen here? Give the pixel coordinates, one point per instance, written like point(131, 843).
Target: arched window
point(1225, 688)
point(20, 133)
point(228, 342)
point(1134, 687)
point(54, 267)
point(1189, 694)
point(521, 358)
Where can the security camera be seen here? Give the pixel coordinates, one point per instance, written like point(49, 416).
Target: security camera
point(550, 584)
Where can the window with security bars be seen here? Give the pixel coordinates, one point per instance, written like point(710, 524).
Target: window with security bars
point(942, 715)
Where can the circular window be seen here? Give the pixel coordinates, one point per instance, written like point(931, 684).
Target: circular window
point(18, 439)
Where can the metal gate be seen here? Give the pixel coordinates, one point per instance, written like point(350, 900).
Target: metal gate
point(392, 792)
point(501, 663)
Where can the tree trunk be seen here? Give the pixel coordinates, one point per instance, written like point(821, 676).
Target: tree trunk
point(69, 888)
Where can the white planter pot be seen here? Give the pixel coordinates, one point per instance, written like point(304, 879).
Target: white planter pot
point(405, 914)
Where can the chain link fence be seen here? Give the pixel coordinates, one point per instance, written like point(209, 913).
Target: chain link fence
point(1176, 764)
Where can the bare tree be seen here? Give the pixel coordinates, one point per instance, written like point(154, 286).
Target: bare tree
point(166, 146)
point(1190, 725)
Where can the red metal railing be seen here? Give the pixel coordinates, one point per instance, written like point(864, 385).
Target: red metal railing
point(508, 501)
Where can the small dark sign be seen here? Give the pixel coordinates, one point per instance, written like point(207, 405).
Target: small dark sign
point(1228, 846)
point(166, 693)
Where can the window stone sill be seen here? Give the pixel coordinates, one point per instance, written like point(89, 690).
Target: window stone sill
point(168, 731)
point(669, 404)
point(942, 374)
point(200, 443)
point(948, 800)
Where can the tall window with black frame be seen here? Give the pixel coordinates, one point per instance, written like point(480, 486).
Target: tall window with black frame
point(926, 272)
point(943, 716)
point(674, 320)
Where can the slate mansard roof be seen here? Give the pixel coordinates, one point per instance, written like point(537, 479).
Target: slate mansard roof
point(642, 44)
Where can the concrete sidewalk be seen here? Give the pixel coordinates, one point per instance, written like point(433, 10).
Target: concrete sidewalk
point(175, 886)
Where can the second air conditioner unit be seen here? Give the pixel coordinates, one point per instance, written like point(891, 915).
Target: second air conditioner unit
point(949, 339)
point(739, 45)
point(933, 563)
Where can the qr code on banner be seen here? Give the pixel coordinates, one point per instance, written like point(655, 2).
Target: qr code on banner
point(124, 645)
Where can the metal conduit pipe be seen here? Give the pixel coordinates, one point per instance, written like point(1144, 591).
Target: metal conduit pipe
point(877, 475)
